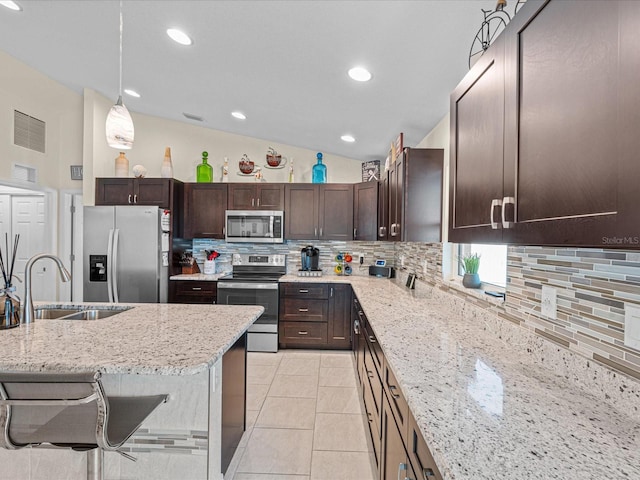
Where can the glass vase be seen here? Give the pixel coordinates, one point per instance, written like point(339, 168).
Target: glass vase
point(9, 308)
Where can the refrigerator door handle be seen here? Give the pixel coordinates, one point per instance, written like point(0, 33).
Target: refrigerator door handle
point(110, 265)
point(114, 265)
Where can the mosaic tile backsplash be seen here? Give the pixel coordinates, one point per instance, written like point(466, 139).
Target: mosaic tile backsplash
point(593, 287)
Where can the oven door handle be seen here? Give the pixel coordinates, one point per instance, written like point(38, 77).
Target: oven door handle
point(247, 285)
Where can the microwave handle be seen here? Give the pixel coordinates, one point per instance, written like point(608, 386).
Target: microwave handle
point(271, 222)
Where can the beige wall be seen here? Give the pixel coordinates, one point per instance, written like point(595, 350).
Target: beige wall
point(187, 141)
point(24, 89)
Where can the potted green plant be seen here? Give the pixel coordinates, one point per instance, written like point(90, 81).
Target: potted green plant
point(470, 264)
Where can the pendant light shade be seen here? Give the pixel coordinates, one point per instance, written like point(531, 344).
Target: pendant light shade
point(119, 126)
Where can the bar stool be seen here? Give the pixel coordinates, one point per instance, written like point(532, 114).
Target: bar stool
point(69, 410)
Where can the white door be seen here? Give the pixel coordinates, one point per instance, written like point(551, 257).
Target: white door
point(29, 220)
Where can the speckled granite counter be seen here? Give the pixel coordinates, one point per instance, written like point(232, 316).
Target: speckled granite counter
point(166, 339)
point(198, 276)
point(484, 407)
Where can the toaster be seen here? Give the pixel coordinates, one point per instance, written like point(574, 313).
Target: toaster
point(386, 272)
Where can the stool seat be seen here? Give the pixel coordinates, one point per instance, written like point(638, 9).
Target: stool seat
point(68, 410)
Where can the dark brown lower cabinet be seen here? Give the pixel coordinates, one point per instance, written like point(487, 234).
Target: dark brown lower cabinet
point(192, 291)
point(395, 461)
point(234, 398)
point(314, 315)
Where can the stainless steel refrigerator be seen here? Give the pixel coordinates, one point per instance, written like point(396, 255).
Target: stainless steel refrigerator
point(126, 254)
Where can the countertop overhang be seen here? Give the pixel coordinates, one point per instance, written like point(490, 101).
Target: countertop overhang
point(162, 339)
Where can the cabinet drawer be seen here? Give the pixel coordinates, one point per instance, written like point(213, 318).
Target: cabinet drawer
point(372, 383)
point(376, 351)
point(420, 457)
point(374, 427)
point(194, 287)
point(303, 310)
point(397, 402)
point(305, 290)
point(303, 333)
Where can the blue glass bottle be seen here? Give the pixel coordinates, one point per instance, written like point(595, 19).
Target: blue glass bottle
point(319, 173)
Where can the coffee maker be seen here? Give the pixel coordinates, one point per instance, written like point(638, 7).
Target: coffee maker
point(310, 259)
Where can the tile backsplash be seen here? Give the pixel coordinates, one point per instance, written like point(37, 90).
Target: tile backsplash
point(593, 287)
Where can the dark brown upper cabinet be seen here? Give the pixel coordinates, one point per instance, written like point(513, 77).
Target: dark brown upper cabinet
point(320, 211)
point(383, 207)
point(571, 105)
point(135, 191)
point(205, 206)
point(365, 211)
point(415, 196)
point(251, 196)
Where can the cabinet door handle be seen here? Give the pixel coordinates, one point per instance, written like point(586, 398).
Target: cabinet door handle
point(331, 292)
point(253, 201)
point(496, 202)
point(369, 374)
point(355, 233)
point(135, 199)
point(505, 202)
point(303, 291)
point(320, 231)
point(129, 198)
point(315, 231)
point(393, 229)
point(380, 230)
point(303, 310)
point(196, 289)
point(303, 332)
point(393, 388)
point(258, 201)
point(428, 473)
point(372, 339)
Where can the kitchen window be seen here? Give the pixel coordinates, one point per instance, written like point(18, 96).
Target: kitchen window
point(493, 262)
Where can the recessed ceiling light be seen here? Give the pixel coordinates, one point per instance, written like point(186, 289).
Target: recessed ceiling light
point(133, 93)
point(238, 115)
point(179, 36)
point(360, 74)
point(348, 138)
point(11, 5)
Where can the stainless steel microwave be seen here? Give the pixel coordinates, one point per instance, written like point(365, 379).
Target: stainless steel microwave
point(255, 226)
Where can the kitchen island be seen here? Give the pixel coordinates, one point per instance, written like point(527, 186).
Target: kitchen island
point(493, 400)
point(149, 349)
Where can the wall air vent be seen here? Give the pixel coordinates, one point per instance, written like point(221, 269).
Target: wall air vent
point(28, 132)
point(191, 116)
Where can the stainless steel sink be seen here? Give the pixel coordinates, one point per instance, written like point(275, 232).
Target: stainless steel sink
point(77, 313)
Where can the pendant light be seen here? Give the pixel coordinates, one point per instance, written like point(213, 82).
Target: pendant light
point(119, 126)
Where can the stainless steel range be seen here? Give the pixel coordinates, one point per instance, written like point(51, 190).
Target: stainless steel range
point(254, 281)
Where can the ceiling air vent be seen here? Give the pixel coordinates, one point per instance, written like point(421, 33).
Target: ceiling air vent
point(28, 131)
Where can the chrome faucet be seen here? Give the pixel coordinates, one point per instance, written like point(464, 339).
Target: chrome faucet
point(28, 315)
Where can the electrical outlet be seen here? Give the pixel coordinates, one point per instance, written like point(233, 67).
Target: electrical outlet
point(361, 258)
point(424, 267)
point(632, 327)
point(402, 261)
point(549, 303)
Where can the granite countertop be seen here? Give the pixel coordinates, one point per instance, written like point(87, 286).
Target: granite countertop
point(486, 410)
point(164, 339)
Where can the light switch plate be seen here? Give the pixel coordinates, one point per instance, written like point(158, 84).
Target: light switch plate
point(549, 303)
point(632, 327)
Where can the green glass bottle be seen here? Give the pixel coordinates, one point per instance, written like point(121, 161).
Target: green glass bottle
point(204, 171)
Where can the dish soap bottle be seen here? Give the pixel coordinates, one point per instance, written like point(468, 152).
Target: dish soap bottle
point(167, 167)
point(319, 173)
point(204, 171)
point(291, 179)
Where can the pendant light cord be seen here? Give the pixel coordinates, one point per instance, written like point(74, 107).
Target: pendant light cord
point(120, 90)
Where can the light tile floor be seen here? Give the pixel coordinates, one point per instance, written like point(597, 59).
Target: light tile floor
point(305, 419)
